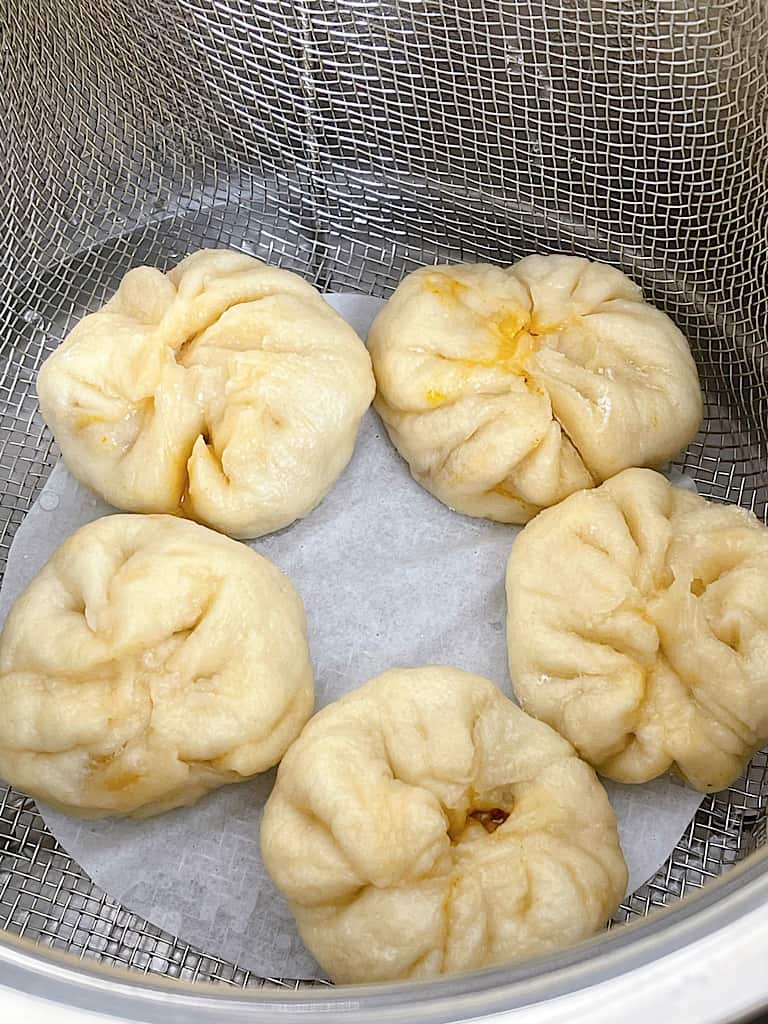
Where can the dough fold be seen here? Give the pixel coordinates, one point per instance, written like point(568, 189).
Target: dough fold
point(150, 661)
point(424, 824)
point(508, 388)
point(637, 627)
point(227, 391)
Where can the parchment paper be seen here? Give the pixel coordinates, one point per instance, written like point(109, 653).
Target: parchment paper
point(390, 577)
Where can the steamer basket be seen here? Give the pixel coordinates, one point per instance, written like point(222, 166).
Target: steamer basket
point(353, 141)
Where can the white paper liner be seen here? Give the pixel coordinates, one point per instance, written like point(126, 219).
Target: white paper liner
point(390, 577)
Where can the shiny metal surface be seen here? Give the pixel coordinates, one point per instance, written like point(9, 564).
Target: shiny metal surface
point(351, 141)
point(702, 959)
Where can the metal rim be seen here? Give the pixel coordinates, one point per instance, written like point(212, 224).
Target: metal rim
point(350, 144)
point(56, 977)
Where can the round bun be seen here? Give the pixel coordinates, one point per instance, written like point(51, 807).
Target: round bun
point(150, 661)
point(424, 824)
point(638, 628)
point(506, 389)
point(226, 390)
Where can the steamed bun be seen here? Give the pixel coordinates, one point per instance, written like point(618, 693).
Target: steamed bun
point(506, 389)
point(150, 661)
point(226, 391)
point(638, 627)
point(423, 825)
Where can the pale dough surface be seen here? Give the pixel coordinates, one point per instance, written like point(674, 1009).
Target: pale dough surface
point(227, 391)
point(150, 661)
point(638, 628)
point(381, 831)
point(508, 388)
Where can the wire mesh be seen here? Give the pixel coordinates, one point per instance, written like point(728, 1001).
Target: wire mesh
point(352, 141)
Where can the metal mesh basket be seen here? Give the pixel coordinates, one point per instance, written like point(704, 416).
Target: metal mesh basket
point(352, 141)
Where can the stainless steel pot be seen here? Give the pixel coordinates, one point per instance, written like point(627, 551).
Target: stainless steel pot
point(353, 140)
